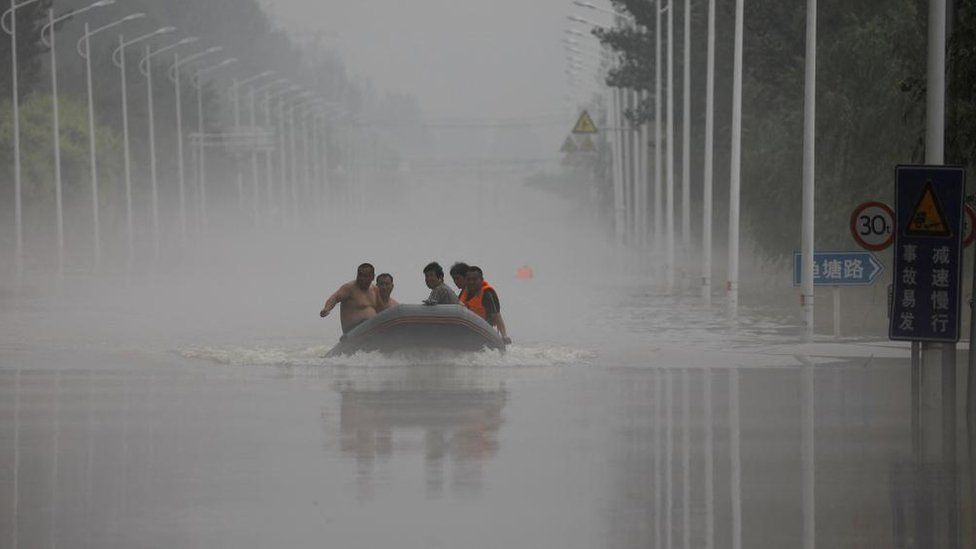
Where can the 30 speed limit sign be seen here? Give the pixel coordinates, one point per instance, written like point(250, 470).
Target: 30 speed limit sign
point(872, 225)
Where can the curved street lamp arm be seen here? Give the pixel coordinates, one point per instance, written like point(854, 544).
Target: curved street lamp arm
point(144, 62)
point(83, 53)
point(115, 54)
point(268, 85)
point(191, 58)
point(10, 11)
point(248, 80)
point(281, 95)
point(58, 19)
point(211, 68)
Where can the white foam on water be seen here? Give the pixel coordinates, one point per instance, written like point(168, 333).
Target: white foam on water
point(515, 356)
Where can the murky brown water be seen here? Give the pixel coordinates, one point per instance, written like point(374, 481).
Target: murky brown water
point(554, 445)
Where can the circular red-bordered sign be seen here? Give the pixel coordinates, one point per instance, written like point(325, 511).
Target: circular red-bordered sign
point(968, 224)
point(873, 225)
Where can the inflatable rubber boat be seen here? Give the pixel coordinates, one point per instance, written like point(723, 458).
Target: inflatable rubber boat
point(407, 327)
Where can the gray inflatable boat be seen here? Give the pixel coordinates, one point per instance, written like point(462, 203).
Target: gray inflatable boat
point(411, 327)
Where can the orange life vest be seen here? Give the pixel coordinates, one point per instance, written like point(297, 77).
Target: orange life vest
point(475, 303)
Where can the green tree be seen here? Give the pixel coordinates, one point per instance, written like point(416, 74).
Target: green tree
point(865, 124)
point(37, 149)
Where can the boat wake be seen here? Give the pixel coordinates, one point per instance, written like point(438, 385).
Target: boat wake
point(514, 356)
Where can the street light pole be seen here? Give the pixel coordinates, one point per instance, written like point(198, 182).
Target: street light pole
point(669, 189)
point(152, 153)
point(732, 289)
point(252, 119)
point(235, 92)
point(706, 286)
point(309, 144)
point(50, 42)
point(127, 162)
point(658, 157)
point(18, 196)
point(92, 143)
point(809, 166)
point(268, 155)
point(686, 154)
point(282, 159)
point(293, 158)
point(174, 76)
point(56, 131)
point(202, 159)
point(145, 67)
point(118, 57)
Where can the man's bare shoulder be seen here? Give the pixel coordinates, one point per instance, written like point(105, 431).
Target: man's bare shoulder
point(346, 289)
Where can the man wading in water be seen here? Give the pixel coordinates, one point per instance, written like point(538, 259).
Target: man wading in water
point(357, 299)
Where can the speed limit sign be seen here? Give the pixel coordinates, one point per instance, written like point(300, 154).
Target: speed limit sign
point(872, 225)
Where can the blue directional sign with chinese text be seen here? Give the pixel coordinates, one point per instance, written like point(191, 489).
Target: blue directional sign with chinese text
point(840, 268)
point(928, 258)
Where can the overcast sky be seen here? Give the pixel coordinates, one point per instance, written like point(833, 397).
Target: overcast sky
point(460, 58)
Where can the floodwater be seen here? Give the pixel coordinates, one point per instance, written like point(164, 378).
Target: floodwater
point(665, 426)
point(191, 406)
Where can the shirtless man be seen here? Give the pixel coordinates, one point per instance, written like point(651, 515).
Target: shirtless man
point(384, 287)
point(358, 299)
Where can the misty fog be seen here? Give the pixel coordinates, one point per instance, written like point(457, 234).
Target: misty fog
point(167, 377)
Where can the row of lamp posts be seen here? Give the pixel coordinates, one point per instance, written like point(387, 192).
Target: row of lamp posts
point(290, 100)
point(663, 172)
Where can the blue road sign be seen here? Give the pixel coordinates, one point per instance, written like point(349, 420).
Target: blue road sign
point(928, 253)
point(840, 268)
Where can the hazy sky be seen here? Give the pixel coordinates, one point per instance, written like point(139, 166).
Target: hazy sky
point(460, 58)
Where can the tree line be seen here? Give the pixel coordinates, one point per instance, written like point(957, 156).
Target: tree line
point(241, 27)
point(870, 103)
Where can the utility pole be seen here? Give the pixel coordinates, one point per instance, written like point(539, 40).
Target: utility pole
point(809, 167)
point(706, 287)
point(732, 288)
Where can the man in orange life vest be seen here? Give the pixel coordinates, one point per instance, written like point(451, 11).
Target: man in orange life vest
point(482, 300)
point(458, 272)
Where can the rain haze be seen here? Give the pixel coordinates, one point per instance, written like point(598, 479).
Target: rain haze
point(704, 313)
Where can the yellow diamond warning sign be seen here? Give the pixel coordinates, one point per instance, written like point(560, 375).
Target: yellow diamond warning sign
point(584, 124)
point(928, 218)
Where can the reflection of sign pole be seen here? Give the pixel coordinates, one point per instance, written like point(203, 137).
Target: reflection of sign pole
point(926, 307)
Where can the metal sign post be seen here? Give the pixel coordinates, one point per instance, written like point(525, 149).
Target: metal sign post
point(838, 269)
point(927, 295)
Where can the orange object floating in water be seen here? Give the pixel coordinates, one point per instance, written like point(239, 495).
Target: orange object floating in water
point(524, 273)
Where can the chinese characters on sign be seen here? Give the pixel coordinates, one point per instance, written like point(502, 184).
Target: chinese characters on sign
point(840, 268)
point(928, 237)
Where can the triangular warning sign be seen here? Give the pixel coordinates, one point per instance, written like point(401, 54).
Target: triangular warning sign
point(587, 144)
point(927, 217)
point(569, 146)
point(584, 124)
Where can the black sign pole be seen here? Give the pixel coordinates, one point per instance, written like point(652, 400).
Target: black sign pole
point(971, 373)
point(917, 400)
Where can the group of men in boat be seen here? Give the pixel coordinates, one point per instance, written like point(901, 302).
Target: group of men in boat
point(360, 300)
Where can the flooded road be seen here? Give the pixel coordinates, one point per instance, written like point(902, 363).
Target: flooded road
point(115, 434)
